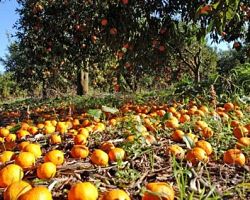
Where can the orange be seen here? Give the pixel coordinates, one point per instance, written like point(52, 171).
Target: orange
point(33, 148)
point(158, 191)
point(22, 133)
point(207, 132)
point(37, 193)
point(26, 160)
point(107, 146)
point(83, 191)
point(200, 125)
point(234, 123)
point(79, 151)
point(172, 123)
point(150, 139)
point(176, 150)
point(84, 131)
point(239, 114)
point(80, 139)
point(55, 139)
point(11, 137)
point(196, 155)
point(234, 156)
point(240, 131)
point(115, 194)
point(228, 106)
point(104, 22)
point(4, 132)
point(6, 156)
point(204, 109)
point(22, 145)
point(33, 130)
point(24, 126)
point(184, 118)
point(206, 146)
point(192, 137)
point(49, 129)
point(46, 170)
point(116, 154)
point(16, 189)
point(40, 126)
point(177, 135)
point(243, 142)
point(10, 174)
point(61, 127)
point(55, 156)
point(99, 157)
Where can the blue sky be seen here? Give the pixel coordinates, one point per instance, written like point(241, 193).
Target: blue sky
point(8, 17)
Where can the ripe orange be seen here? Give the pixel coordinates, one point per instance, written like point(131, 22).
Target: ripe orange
point(207, 132)
point(234, 123)
point(6, 156)
point(22, 133)
point(37, 193)
point(196, 155)
point(33, 130)
point(177, 135)
point(99, 157)
point(107, 146)
point(176, 150)
point(61, 127)
point(80, 139)
point(4, 132)
point(16, 189)
point(239, 114)
point(115, 194)
point(55, 139)
point(172, 123)
point(243, 142)
point(11, 137)
point(33, 148)
point(79, 151)
point(228, 106)
point(200, 125)
point(46, 170)
point(158, 191)
point(104, 22)
point(184, 118)
point(240, 131)
point(10, 174)
point(83, 191)
point(206, 146)
point(22, 145)
point(26, 160)
point(84, 131)
point(234, 156)
point(49, 129)
point(116, 154)
point(54, 156)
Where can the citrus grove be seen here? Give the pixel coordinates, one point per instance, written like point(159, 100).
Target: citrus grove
point(150, 151)
point(126, 99)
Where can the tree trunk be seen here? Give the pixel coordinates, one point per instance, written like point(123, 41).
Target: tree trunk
point(82, 82)
point(197, 76)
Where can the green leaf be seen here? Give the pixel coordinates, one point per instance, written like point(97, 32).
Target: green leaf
point(188, 141)
point(166, 116)
point(215, 5)
point(15, 128)
point(230, 14)
point(109, 109)
point(96, 113)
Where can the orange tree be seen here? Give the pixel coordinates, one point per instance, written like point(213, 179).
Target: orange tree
point(68, 38)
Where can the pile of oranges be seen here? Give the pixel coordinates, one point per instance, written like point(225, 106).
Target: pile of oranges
point(44, 147)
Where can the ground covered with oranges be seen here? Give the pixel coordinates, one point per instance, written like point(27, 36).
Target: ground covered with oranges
point(176, 150)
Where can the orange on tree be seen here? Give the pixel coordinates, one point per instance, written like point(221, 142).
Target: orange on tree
point(79, 151)
point(16, 189)
point(6, 156)
point(206, 146)
point(46, 170)
point(54, 156)
point(83, 191)
point(234, 157)
point(196, 155)
point(26, 160)
point(158, 191)
point(116, 154)
point(176, 151)
point(33, 148)
point(99, 157)
point(10, 174)
point(115, 194)
point(37, 193)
